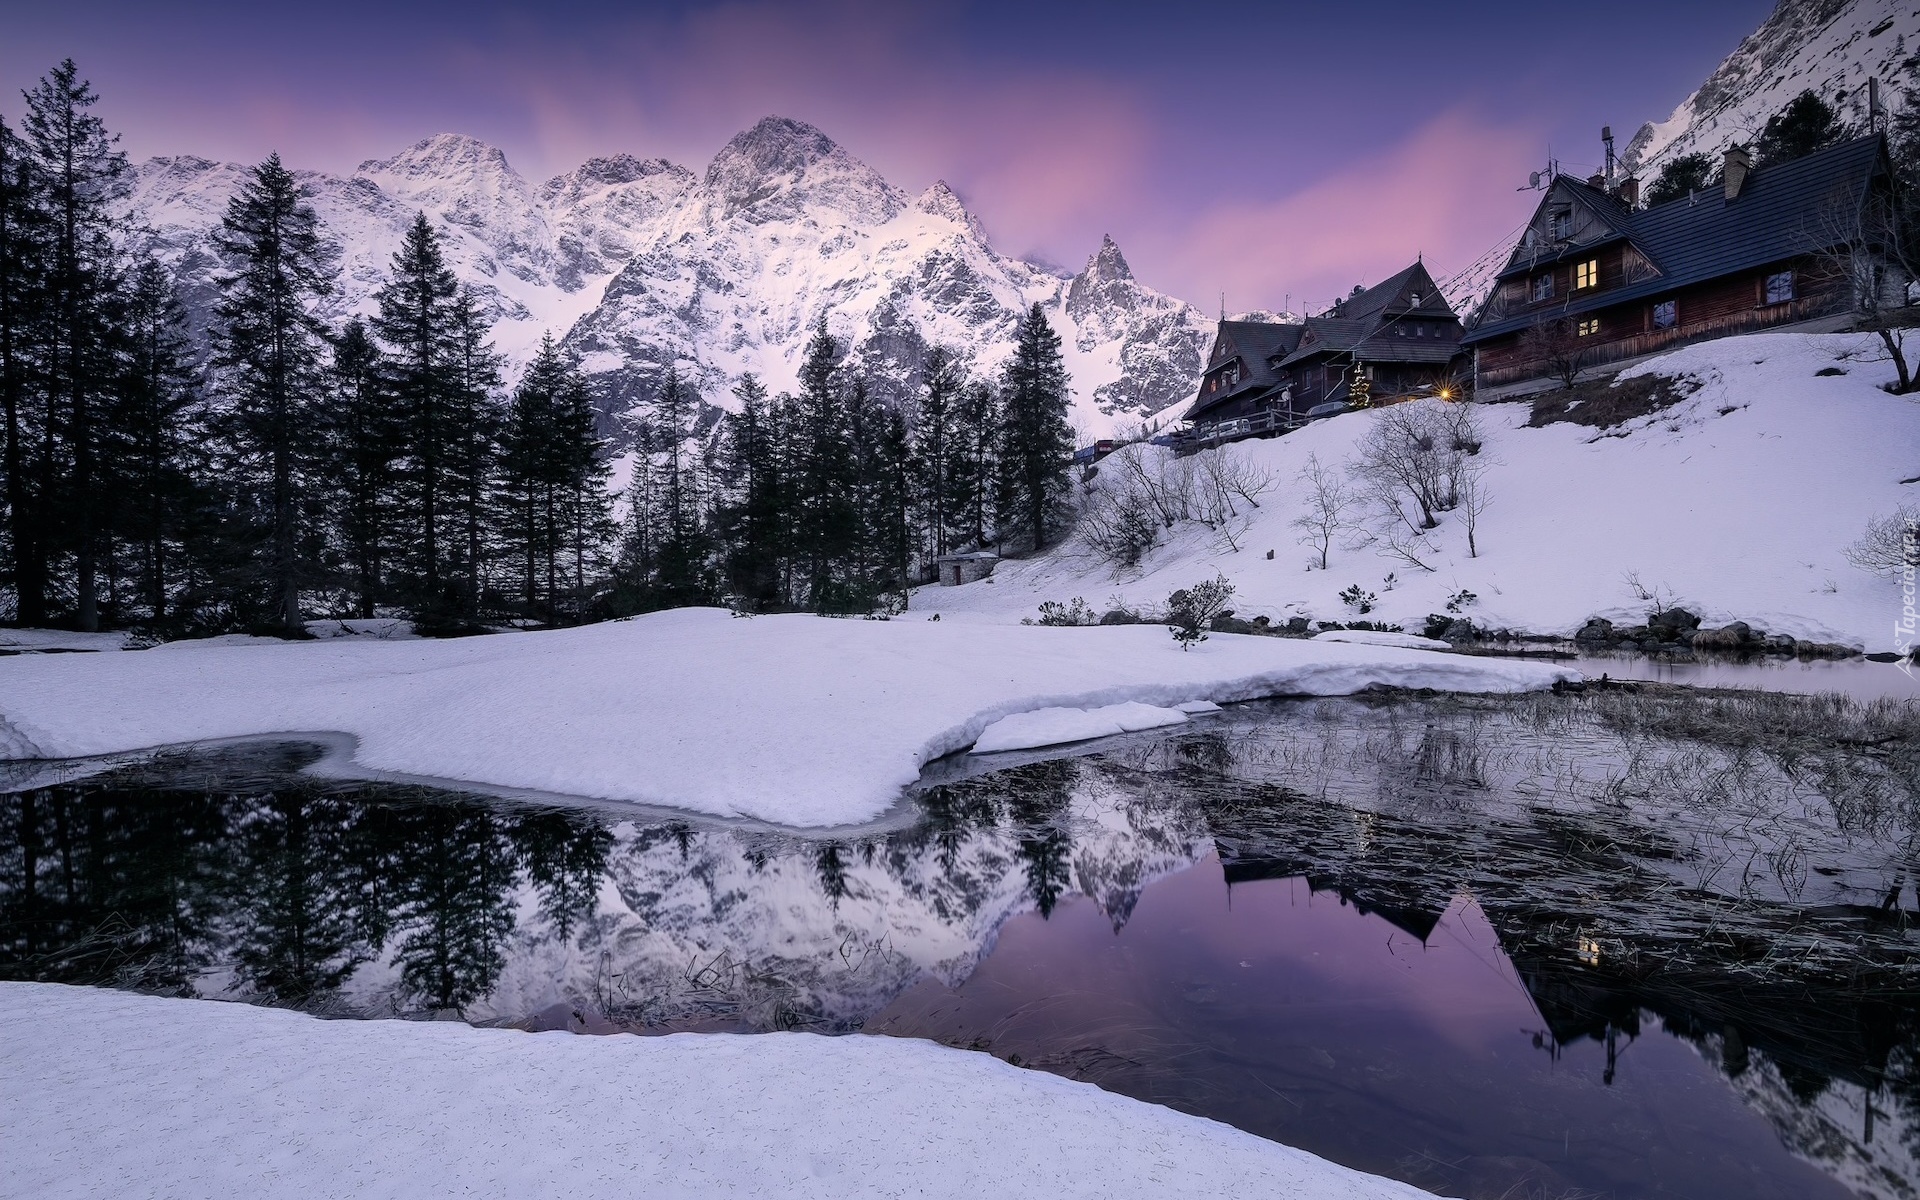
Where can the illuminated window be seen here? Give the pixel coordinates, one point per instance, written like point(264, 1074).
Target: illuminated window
point(1589, 327)
point(1586, 274)
point(1543, 287)
point(1666, 314)
point(1780, 287)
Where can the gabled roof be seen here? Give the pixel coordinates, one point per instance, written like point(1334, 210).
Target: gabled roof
point(1365, 322)
point(1256, 345)
point(1777, 216)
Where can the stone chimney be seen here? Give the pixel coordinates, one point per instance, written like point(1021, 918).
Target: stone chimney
point(1629, 192)
point(1734, 168)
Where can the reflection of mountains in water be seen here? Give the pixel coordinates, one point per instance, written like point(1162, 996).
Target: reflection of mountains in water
point(373, 899)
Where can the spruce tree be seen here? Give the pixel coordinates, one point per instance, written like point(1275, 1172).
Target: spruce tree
point(749, 512)
point(682, 576)
point(826, 522)
point(363, 442)
point(78, 175)
point(553, 483)
point(22, 273)
point(890, 491)
point(156, 464)
point(473, 455)
point(418, 328)
point(1036, 441)
point(1681, 177)
point(270, 374)
point(1806, 124)
point(975, 464)
point(935, 449)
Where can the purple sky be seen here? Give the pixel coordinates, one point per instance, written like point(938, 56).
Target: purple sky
point(1260, 149)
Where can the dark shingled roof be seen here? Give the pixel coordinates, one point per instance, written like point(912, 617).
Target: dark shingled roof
point(1777, 216)
point(1364, 323)
point(1257, 345)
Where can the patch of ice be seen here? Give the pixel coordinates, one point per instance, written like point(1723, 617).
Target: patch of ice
point(1196, 707)
point(1058, 726)
point(1379, 637)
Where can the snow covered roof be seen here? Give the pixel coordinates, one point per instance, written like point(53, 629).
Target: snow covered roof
point(1777, 216)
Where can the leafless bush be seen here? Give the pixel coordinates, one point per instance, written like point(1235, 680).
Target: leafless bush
point(1328, 509)
point(1141, 492)
point(1891, 545)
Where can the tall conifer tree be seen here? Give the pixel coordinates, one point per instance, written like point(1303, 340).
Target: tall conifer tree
point(1036, 441)
point(270, 373)
point(78, 174)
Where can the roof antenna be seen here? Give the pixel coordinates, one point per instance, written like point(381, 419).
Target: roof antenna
point(1223, 306)
point(1606, 137)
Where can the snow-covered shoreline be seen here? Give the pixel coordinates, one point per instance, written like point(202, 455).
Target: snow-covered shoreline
point(117, 1094)
point(794, 720)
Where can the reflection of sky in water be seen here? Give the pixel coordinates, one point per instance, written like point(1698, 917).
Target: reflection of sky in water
point(1335, 1031)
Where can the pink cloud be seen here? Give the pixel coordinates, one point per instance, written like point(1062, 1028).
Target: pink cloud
point(1446, 191)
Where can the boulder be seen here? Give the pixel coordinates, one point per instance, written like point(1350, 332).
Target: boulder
point(1669, 624)
point(1119, 616)
point(1298, 624)
point(1597, 631)
point(1228, 623)
point(1736, 636)
point(1780, 643)
point(1459, 630)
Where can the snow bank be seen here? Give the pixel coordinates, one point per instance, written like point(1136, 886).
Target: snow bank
point(792, 719)
point(115, 1094)
point(1737, 503)
point(1058, 726)
point(1378, 637)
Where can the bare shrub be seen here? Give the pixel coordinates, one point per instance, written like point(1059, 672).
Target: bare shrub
point(1328, 509)
point(1890, 545)
point(1142, 492)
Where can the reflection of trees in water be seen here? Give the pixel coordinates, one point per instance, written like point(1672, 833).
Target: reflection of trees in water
point(292, 888)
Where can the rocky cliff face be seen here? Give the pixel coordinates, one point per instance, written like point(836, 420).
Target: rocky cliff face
point(636, 264)
point(1830, 46)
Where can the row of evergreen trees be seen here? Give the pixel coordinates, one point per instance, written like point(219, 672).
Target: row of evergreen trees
point(831, 501)
point(270, 469)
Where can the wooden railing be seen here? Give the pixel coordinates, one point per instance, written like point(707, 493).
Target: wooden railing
point(1655, 340)
point(1262, 424)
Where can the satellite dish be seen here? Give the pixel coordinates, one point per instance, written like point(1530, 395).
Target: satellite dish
point(1533, 180)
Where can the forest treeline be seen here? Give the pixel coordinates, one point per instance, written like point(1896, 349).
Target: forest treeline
point(260, 468)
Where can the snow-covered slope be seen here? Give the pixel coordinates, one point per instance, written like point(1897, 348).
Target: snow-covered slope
point(120, 1093)
point(1830, 46)
point(637, 263)
point(1738, 503)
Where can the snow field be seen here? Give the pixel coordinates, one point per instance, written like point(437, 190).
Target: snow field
point(795, 720)
point(1737, 503)
point(192, 1098)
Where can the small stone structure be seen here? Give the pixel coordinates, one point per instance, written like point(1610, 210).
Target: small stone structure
point(956, 569)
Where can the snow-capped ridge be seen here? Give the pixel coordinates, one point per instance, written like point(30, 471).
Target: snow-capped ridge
point(939, 200)
point(781, 166)
point(1831, 47)
point(439, 159)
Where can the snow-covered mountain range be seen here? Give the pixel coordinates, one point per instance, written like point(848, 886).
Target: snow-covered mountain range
point(637, 263)
point(1830, 46)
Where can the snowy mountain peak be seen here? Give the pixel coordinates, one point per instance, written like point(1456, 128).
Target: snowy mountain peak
point(1107, 264)
point(782, 167)
point(941, 201)
point(442, 158)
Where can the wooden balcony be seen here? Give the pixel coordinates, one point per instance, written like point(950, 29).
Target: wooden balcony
point(1652, 341)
